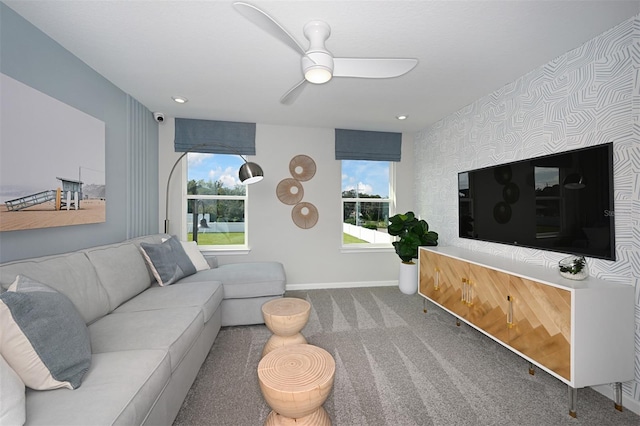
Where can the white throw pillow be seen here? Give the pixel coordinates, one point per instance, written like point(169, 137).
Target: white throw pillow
point(192, 250)
point(13, 402)
point(194, 253)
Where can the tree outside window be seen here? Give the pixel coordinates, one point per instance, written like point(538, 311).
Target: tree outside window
point(366, 203)
point(215, 201)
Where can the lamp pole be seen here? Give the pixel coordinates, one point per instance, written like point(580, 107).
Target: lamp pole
point(166, 200)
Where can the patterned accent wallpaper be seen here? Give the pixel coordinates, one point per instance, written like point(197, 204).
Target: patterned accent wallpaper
point(588, 96)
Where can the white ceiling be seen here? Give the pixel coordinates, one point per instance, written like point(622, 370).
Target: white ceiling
point(229, 69)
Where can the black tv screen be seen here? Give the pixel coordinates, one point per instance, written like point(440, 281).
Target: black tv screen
point(561, 202)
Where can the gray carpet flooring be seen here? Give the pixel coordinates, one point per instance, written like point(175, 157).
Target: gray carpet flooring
point(395, 365)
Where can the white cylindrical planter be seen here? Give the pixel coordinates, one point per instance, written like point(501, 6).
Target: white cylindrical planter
point(408, 279)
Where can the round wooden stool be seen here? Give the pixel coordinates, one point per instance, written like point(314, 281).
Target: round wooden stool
point(295, 380)
point(285, 317)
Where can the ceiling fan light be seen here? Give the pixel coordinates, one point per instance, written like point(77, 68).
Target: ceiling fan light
point(317, 75)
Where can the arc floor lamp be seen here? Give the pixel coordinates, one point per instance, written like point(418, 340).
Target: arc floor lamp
point(249, 173)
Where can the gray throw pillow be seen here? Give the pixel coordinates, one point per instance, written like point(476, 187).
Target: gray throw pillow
point(42, 336)
point(168, 261)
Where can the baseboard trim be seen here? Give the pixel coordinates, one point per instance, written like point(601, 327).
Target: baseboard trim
point(627, 402)
point(351, 284)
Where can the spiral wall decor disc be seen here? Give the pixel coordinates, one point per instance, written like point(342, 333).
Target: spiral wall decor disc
point(290, 191)
point(502, 212)
point(304, 215)
point(511, 193)
point(302, 167)
point(503, 174)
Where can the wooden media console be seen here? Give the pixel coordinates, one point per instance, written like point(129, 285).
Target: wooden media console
point(581, 332)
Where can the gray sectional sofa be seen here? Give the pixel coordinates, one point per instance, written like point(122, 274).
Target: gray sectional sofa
point(147, 342)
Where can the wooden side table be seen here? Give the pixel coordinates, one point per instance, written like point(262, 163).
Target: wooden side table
point(296, 380)
point(285, 317)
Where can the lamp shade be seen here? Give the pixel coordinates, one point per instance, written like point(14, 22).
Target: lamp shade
point(574, 181)
point(250, 173)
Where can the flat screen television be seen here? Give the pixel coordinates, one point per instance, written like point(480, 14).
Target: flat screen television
point(561, 202)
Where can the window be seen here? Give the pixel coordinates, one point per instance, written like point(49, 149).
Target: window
point(547, 182)
point(367, 202)
point(215, 201)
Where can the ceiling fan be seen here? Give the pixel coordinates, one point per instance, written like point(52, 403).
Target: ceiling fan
point(318, 64)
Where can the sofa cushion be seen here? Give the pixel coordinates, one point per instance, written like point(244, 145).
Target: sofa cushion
point(43, 337)
point(172, 329)
point(244, 280)
point(168, 261)
point(122, 271)
point(203, 295)
point(71, 274)
point(12, 404)
point(119, 389)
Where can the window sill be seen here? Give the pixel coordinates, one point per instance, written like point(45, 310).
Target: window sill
point(224, 251)
point(367, 248)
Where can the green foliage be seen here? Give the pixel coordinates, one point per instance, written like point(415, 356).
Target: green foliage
point(350, 239)
point(412, 233)
point(218, 210)
point(575, 266)
point(358, 209)
point(218, 238)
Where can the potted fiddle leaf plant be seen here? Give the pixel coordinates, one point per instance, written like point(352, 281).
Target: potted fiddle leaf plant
point(412, 233)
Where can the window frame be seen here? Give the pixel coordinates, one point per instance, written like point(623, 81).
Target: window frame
point(368, 247)
point(231, 249)
point(556, 199)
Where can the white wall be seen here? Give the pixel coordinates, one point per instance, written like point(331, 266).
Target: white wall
point(312, 257)
point(588, 96)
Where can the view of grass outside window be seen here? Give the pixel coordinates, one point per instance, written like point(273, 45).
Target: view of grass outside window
point(215, 200)
point(366, 203)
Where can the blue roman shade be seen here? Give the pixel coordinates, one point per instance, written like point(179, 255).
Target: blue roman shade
point(216, 137)
point(367, 145)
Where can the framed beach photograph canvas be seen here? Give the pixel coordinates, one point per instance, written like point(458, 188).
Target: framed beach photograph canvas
point(52, 161)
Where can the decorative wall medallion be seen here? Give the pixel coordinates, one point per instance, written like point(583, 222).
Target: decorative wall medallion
point(304, 215)
point(511, 193)
point(502, 174)
point(502, 212)
point(290, 191)
point(302, 167)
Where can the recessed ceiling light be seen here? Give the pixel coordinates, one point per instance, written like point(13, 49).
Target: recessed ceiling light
point(402, 117)
point(180, 99)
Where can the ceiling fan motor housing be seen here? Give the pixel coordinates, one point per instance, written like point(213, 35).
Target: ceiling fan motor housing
point(317, 62)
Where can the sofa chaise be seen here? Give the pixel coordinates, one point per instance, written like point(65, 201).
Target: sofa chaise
point(147, 341)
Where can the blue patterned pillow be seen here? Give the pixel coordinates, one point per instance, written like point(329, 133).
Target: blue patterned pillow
point(168, 261)
point(42, 336)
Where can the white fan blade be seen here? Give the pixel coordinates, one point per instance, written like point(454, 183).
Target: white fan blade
point(293, 93)
point(371, 67)
point(268, 24)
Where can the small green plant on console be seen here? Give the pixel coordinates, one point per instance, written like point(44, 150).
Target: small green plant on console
point(576, 265)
